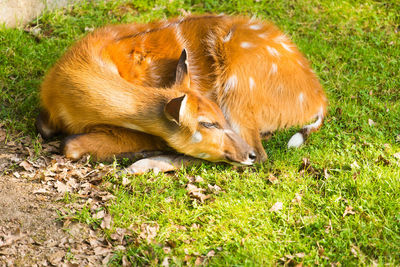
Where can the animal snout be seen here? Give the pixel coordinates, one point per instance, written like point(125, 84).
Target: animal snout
point(251, 158)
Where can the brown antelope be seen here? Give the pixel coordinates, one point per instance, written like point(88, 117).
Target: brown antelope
point(130, 88)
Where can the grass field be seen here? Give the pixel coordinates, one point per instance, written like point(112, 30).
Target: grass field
point(339, 193)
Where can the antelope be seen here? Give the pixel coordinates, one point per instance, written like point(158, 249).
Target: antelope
point(207, 86)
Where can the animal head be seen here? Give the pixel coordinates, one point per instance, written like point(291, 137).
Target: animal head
point(200, 128)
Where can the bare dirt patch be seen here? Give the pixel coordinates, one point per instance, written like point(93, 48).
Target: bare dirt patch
point(35, 228)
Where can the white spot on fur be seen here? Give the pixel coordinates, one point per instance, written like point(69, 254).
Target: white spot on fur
point(296, 140)
point(251, 83)
point(246, 45)
point(182, 110)
point(301, 98)
point(273, 51)
point(281, 38)
point(230, 83)
point(286, 47)
point(274, 68)
point(263, 35)
point(256, 27)
point(228, 37)
point(197, 137)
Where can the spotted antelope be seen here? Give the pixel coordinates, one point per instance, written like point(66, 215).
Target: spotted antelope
point(207, 86)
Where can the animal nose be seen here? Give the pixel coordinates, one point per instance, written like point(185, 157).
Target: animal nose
point(252, 156)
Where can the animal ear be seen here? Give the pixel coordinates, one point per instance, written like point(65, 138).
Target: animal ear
point(182, 69)
point(175, 109)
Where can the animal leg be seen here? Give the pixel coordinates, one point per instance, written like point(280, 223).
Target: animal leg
point(105, 142)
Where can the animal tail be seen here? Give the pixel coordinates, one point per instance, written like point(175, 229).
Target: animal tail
point(300, 137)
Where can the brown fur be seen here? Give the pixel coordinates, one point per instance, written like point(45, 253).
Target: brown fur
point(123, 77)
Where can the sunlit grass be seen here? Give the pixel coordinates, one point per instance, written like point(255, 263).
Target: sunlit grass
point(354, 48)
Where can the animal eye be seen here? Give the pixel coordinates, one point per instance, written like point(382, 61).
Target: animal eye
point(209, 125)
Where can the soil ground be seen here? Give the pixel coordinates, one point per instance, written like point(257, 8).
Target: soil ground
point(34, 230)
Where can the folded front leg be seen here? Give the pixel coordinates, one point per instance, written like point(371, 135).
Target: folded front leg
point(106, 142)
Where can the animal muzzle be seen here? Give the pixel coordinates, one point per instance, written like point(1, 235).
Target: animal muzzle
point(237, 151)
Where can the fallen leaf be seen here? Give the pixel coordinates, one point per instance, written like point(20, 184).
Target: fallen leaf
point(349, 210)
point(196, 192)
point(297, 198)
point(125, 181)
point(101, 251)
point(300, 255)
point(99, 215)
point(61, 187)
point(2, 135)
point(214, 188)
point(272, 179)
point(397, 155)
point(27, 166)
point(165, 262)
point(277, 206)
point(192, 188)
point(149, 231)
point(166, 250)
point(11, 238)
point(198, 179)
point(41, 191)
point(371, 122)
point(16, 174)
point(211, 253)
point(354, 251)
point(354, 165)
point(199, 261)
point(106, 223)
point(55, 258)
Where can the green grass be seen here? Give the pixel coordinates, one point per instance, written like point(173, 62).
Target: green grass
point(354, 47)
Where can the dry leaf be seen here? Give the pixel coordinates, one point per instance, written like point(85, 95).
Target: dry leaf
point(277, 206)
point(16, 174)
point(99, 215)
point(371, 122)
point(214, 188)
point(27, 166)
point(106, 223)
point(196, 192)
point(199, 261)
point(11, 238)
point(297, 198)
point(397, 155)
point(211, 253)
point(165, 262)
point(300, 255)
point(125, 181)
point(272, 179)
point(354, 165)
point(2, 135)
point(55, 258)
point(198, 179)
point(149, 231)
point(61, 187)
point(166, 250)
point(349, 211)
point(101, 251)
